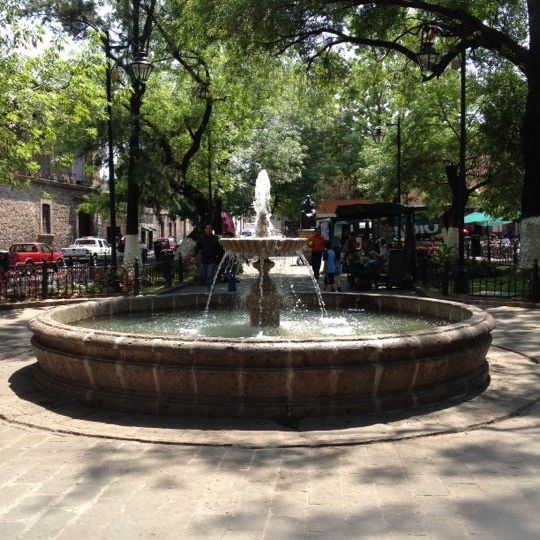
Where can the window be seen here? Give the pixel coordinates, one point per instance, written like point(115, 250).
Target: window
point(82, 242)
point(45, 249)
point(170, 228)
point(46, 218)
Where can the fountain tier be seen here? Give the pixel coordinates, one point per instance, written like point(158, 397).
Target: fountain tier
point(266, 377)
point(264, 302)
point(264, 247)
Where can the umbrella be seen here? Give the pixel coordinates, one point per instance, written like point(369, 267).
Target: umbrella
point(484, 219)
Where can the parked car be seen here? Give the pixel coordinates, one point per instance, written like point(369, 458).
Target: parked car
point(87, 249)
point(164, 245)
point(32, 254)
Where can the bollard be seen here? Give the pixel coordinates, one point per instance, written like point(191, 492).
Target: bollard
point(180, 268)
point(44, 281)
point(535, 283)
point(424, 262)
point(168, 270)
point(136, 278)
point(445, 279)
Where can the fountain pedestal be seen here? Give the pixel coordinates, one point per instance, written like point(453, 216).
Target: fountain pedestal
point(264, 302)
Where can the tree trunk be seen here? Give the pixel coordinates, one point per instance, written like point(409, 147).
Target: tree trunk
point(452, 221)
point(530, 200)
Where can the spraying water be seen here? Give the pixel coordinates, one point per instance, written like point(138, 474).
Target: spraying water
point(261, 204)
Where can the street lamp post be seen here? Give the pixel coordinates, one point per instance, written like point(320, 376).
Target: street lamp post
point(112, 184)
point(461, 284)
point(378, 137)
point(202, 91)
point(427, 58)
point(209, 166)
point(140, 71)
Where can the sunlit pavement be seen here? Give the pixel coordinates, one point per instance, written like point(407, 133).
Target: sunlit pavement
point(201, 482)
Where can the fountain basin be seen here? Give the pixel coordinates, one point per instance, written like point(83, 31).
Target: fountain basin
point(267, 377)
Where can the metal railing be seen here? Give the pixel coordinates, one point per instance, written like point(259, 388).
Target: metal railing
point(493, 251)
point(88, 280)
point(485, 280)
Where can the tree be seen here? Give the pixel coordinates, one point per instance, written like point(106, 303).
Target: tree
point(48, 102)
point(430, 143)
point(509, 29)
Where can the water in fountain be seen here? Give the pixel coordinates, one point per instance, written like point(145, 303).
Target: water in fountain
point(265, 300)
point(261, 204)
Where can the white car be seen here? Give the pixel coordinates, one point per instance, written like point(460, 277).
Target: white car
point(87, 248)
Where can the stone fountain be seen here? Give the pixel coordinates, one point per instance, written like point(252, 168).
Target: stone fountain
point(266, 375)
point(264, 302)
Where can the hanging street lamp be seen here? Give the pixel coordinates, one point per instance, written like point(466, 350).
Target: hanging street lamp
point(427, 55)
point(142, 67)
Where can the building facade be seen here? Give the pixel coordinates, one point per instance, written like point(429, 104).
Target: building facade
point(44, 207)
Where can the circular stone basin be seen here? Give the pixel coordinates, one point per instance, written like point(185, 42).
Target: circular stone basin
point(264, 247)
point(295, 323)
point(267, 376)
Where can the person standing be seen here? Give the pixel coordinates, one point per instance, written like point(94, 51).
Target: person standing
point(329, 269)
point(316, 242)
point(211, 252)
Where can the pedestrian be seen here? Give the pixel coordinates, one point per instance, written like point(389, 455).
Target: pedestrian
point(329, 269)
point(211, 253)
point(316, 242)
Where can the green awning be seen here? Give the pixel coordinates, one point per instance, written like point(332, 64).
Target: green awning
point(484, 219)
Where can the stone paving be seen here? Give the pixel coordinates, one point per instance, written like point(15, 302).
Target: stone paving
point(385, 477)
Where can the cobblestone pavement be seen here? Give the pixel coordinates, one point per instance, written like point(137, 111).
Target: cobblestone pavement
point(480, 482)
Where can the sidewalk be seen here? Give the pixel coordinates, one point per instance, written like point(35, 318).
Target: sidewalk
point(464, 471)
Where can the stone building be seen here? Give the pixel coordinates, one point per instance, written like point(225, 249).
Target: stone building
point(44, 207)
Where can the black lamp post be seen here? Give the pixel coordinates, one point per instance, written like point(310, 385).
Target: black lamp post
point(378, 138)
point(112, 184)
point(427, 58)
point(140, 70)
point(461, 285)
point(202, 91)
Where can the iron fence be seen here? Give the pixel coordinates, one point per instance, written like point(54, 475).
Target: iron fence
point(485, 280)
point(493, 251)
point(88, 280)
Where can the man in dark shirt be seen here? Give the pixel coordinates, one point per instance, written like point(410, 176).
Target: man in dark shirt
point(211, 252)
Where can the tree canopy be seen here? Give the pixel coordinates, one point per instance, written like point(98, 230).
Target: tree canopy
point(298, 88)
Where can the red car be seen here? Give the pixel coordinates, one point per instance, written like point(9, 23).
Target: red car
point(32, 254)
